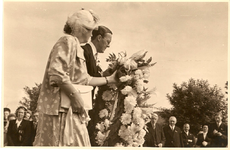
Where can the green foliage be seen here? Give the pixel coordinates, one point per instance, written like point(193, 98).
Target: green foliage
point(30, 102)
point(195, 103)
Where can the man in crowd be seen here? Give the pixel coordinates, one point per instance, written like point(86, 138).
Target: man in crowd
point(218, 132)
point(100, 40)
point(35, 124)
point(188, 138)
point(6, 114)
point(172, 134)
point(203, 139)
point(155, 135)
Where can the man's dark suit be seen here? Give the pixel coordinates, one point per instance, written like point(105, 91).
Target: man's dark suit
point(19, 136)
point(173, 138)
point(154, 136)
point(200, 139)
point(93, 70)
point(186, 137)
point(219, 141)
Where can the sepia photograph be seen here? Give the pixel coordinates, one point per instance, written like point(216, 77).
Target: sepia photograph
point(114, 74)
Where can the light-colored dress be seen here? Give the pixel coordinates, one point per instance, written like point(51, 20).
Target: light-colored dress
point(62, 67)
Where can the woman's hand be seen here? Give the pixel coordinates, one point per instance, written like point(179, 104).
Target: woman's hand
point(77, 104)
point(113, 78)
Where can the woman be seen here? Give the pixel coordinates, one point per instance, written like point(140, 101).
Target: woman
point(18, 133)
point(63, 70)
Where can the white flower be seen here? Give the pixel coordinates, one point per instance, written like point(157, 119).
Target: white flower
point(134, 128)
point(100, 138)
point(139, 73)
point(107, 123)
point(128, 106)
point(103, 113)
point(137, 112)
point(139, 86)
point(122, 60)
point(126, 90)
point(125, 78)
point(107, 95)
point(139, 122)
point(126, 118)
point(141, 134)
point(100, 127)
point(130, 64)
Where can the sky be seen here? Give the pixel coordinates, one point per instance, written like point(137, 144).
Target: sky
point(186, 39)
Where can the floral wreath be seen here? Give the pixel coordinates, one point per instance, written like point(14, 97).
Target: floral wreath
point(133, 74)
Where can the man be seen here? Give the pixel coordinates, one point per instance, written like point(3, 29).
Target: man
point(34, 127)
point(188, 138)
point(172, 134)
point(100, 40)
point(203, 140)
point(218, 132)
point(155, 135)
point(6, 114)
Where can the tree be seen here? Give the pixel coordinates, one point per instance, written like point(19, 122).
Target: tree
point(195, 103)
point(31, 102)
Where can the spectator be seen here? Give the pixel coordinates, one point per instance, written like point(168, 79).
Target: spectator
point(218, 132)
point(155, 135)
point(6, 114)
point(19, 130)
point(203, 139)
point(188, 138)
point(35, 124)
point(10, 117)
point(172, 134)
point(28, 115)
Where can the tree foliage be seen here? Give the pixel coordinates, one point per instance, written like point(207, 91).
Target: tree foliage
point(30, 102)
point(195, 102)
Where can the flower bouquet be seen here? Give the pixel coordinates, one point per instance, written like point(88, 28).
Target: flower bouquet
point(123, 110)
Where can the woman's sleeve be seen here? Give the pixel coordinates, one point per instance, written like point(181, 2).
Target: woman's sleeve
point(60, 60)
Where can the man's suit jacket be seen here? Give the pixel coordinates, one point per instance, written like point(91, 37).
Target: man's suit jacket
point(219, 141)
point(200, 139)
point(19, 136)
point(152, 140)
point(186, 137)
point(92, 68)
point(173, 138)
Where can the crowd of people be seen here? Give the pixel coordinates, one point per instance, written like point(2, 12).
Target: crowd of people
point(20, 127)
point(212, 135)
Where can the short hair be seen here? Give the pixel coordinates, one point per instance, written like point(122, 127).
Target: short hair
point(7, 109)
point(218, 114)
point(100, 30)
point(172, 117)
point(20, 107)
point(186, 124)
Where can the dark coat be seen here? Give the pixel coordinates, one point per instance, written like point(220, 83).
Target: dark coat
point(173, 138)
point(219, 141)
point(92, 68)
point(200, 139)
point(152, 140)
point(186, 139)
point(19, 136)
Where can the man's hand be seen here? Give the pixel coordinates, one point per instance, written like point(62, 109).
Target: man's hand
point(204, 143)
point(215, 131)
point(189, 140)
point(160, 145)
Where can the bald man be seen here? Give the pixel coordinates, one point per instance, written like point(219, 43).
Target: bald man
point(173, 134)
point(155, 135)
